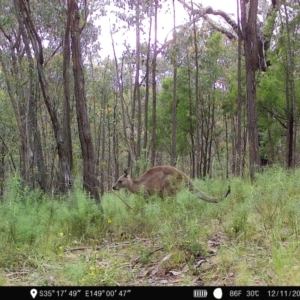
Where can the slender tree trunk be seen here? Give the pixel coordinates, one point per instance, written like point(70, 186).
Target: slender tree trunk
point(22, 136)
point(174, 109)
point(238, 152)
point(37, 169)
point(197, 100)
point(211, 138)
point(233, 143)
point(90, 180)
point(153, 135)
point(147, 83)
point(103, 141)
point(116, 145)
point(3, 152)
point(290, 99)
point(227, 146)
point(136, 91)
point(24, 16)
point(66, 103)
point(191, 114)
point(120, 93)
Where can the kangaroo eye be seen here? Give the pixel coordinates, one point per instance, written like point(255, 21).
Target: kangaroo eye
point(120, 181)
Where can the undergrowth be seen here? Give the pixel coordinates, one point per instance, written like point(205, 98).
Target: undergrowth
point(250, 238)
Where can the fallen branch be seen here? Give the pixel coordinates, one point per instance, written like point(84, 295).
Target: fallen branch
point(16, 273)
point(113, 245)
point(136, 260)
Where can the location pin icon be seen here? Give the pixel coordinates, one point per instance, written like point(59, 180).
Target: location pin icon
point(33, 293)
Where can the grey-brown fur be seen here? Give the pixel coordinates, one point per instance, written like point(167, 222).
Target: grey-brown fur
point(164, 181)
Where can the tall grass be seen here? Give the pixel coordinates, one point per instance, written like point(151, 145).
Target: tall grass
point(256, 230)
point(35, 223)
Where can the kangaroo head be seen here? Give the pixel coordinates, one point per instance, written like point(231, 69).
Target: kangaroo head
point(122, 182)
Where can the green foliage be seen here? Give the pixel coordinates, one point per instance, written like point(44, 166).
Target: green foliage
point(30, 220)
point(212, 65)
point(271, 101)
point(164, 115)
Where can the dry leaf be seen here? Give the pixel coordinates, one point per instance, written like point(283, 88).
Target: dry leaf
point(166, 258)
point(175, 273)
point(163, 260)
point(199, 262)
point(163, 281)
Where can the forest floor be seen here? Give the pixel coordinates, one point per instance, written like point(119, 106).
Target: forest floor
point(150, 269)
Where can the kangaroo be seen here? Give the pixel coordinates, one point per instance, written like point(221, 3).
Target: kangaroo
point(164, 181)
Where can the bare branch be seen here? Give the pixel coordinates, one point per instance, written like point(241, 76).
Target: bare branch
point(8, 37)
point(81, 28)
point(54, 53)
point(203, 11)
point(220, 28)
point(225, 16)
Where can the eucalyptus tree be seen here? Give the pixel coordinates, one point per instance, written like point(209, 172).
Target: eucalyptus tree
point(28, 17)
point(279, 92)
point(174, 92)
point(104, 113)
point(19, 72)
point(290, 39)
point(132, 12)
point(8, 138)
point(142, 17)
point(38, 39)
point(210, 79)
point(78, 20)
point(196, 159)
point(256, 44)
point(154, 85)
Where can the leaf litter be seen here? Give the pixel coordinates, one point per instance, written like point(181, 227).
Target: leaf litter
point(156, 272)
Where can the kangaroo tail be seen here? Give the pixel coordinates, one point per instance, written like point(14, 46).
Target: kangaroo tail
point(205, 197)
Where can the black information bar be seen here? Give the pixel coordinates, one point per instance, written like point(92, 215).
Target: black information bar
point(134, 292)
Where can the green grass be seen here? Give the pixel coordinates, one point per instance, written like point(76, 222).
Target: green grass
point(250, 238)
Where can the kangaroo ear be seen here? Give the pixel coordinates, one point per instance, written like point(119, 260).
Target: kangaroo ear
point(126, 173)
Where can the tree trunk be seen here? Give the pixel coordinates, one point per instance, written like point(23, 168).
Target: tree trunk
point(191, 125)
point(14, 102)
point(66, 103)
point(197, 100)
point(238, 149)
point(174, 108)
point(147, 86)
point(116, 145)
point(251, 55)
point(290, 99)
point(3, 152)
point(136, 91)
point(120, 94)
point(153, 135)
point(90, 180)
point(24, 17)
point(37, 169)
